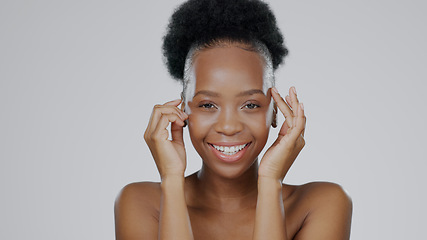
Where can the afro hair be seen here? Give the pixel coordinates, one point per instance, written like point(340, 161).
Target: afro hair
point(204, 22)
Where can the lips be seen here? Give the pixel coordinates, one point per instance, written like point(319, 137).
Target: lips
point(229, 152)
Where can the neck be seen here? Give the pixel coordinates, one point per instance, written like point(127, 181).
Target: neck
point(227, 194)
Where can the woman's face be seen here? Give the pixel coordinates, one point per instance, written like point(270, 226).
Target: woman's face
point(228, 121)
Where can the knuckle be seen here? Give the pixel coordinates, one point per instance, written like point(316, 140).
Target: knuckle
point(165, 117)
point(148, 137)
point(154, 137)
point(156, 108)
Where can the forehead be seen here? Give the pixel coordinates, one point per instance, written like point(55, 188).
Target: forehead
point(228, 66)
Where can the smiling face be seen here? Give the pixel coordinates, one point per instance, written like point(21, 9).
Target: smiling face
point(229, 118)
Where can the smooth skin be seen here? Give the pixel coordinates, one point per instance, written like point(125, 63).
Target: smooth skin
point(230, 200)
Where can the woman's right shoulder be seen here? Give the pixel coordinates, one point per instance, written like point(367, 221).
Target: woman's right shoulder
point(136, 210)
point(140, 194)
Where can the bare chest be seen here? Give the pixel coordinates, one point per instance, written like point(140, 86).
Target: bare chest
point(240, 225)
point(211, 224)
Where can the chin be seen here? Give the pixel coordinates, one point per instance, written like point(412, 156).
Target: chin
point(231, 171)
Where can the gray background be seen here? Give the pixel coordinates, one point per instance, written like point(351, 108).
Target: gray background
point(78, 80)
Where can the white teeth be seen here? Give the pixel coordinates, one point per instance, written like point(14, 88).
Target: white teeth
point(229, 150)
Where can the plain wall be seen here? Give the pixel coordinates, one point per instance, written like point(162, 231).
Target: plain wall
point(78, 80)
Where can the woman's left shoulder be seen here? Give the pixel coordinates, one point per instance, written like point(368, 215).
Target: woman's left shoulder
point(320, 193)
point(324, 207)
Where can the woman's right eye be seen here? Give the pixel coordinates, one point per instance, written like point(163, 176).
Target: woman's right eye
point(207, 105)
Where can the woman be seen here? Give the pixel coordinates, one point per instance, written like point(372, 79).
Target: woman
point(225, 54)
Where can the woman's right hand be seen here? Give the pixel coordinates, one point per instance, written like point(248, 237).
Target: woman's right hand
point(169, 155)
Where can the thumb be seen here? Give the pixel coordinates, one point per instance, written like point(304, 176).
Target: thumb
point(177, 133)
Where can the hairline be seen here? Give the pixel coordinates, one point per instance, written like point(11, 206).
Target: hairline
point(268, 80)
point(253, 46)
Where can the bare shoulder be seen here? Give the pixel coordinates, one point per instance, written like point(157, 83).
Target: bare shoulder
point(319, 193)
point(139, 192)
point(327, 209)
point(137, 197)
point(137, 204)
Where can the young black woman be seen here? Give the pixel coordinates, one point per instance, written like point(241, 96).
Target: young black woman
point(229, 104)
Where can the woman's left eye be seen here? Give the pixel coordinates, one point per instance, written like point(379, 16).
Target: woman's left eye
point(251, 106)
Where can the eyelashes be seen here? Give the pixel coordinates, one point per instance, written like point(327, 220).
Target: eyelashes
point(249, 105)
point(207, 105)
point(252, 106)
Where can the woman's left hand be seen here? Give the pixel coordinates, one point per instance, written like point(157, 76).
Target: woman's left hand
point(281, 155)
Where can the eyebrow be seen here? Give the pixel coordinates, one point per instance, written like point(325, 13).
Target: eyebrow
point(250, 92)
point(207, 93)
point(241, 94)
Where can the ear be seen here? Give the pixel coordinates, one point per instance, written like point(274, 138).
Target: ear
point(274, 121)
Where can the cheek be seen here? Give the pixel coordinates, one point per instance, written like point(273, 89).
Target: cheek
point(261, 118)
point(199, 128)
point(259, 125)
point(198, 125)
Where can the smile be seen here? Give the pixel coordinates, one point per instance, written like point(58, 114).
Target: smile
point(229, 153)
point(230, 150)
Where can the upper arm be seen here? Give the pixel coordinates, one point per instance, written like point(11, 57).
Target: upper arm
point(330, 213)
point(135, 214)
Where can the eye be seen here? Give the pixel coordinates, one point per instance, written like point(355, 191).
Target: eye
point(251, 106)
point(207, 105)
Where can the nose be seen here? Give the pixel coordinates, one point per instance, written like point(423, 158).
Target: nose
point(228, 122)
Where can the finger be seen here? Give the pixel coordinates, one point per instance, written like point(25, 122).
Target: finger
point(290, 121)
point(156, 116)
point(166, 105)
point(293, 97)
point(284, 129)
point(158, 110)
point(177, 132)
point(283, 106)
point(300, 119)
point(298, 130)
point(288, 101)
point(305, 120)
point(175, 102)
point(295, 102)
point(160, 132)
point(153, 117)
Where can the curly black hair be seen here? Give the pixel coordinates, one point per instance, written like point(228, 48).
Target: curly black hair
point(204, 22)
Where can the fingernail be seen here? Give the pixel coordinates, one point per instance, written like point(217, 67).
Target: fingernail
point(274, 89)
point(294, 89)
point(302, 106)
